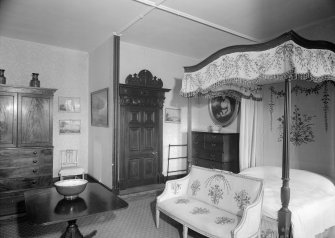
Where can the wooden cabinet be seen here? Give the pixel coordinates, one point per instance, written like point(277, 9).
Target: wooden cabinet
point(216, 150)
point(26, 151)
point(141, 127)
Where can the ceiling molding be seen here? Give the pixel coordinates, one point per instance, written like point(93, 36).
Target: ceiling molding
point(196, 19)
point(140, 17)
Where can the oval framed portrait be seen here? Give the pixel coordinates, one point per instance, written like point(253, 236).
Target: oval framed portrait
point(223, 109)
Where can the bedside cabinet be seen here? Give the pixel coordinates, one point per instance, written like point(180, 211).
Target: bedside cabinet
point(216, 150)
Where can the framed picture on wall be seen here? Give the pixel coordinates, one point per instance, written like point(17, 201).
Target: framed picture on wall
point(223, 109)
point(68, 104)
point(99, 108)
point(172, 115)
point(69, 127)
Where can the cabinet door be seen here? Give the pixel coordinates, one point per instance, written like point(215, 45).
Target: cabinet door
point(8, 119)
point(140, 142)
point(34, 120)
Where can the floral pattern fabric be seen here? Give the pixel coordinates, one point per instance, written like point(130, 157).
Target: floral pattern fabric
point(242, 199)
point(195, 187)
point(176, 187)
point(199, 210)
point(224, 220)
point(182, 201)
point(216, 193)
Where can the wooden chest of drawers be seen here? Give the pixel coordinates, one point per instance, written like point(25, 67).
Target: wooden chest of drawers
point(216, 150)
point(24, 168)
point(26, 151)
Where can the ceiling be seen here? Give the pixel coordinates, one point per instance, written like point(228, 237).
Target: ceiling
point(194, 28)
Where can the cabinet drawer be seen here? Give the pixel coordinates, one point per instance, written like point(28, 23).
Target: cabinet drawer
point(13, 172)
point(25, 183)
point(209, 155)
point(230, 166)
point(197, 139)
point(213, 138)
point(213, 142)
point(213, 146)
point(207, 163)
point(25, 157)
point(35, 152)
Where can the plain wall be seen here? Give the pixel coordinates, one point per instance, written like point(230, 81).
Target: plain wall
point(101, 138)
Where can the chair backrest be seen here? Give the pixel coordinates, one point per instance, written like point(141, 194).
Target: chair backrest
point(68, 158)
point(223, 189)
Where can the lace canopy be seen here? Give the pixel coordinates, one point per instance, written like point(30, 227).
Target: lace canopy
point(242, 72)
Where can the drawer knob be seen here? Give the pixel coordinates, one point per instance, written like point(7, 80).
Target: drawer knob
point(35, 171)
point(35, 152)
point(35, 161)
point(33, 182)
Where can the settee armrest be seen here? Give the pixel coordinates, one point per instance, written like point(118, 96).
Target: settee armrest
point(174, 188)
point(250, 223)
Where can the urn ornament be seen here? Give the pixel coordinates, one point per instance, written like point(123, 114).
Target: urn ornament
point(2, 76)
point(34, 82)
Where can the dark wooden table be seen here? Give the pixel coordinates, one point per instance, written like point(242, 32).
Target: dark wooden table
point(47, 206)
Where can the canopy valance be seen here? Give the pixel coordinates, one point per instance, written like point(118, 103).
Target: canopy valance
point(243, 69)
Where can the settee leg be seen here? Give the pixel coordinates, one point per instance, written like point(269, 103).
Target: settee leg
point(185, 230)
point(157, 218)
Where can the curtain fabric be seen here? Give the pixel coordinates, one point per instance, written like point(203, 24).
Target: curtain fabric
point(251, 130)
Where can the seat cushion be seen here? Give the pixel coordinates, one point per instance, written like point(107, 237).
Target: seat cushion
point(68, 171)
point(200, 216)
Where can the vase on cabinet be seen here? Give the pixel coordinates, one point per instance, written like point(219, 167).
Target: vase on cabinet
point(34, 82)
point(2, 76)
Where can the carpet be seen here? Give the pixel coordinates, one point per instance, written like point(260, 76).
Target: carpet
point(136, 221)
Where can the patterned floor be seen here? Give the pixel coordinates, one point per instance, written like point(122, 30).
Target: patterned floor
point(137, 221)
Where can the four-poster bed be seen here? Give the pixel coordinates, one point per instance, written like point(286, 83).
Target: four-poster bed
point(240, 71)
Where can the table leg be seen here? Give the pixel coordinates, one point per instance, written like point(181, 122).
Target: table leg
point(72, 230)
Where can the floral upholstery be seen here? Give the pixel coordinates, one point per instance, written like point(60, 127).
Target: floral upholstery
point(213, 202)
point(222, 189)
point(202, 215)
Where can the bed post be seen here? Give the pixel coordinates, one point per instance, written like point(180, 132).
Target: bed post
point(189, 134)
point(284, 214)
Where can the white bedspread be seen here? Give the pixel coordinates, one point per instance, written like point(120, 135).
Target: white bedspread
point(312, 201)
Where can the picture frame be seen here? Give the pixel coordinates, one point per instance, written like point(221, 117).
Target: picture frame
point(223, 109)
point(172, 115)
point(99, 108)
point(68, 104)
point(69, 127)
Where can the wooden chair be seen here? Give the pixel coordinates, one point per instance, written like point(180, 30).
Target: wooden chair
point(69, 164)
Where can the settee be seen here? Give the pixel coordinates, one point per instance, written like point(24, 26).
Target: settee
point(215, 203)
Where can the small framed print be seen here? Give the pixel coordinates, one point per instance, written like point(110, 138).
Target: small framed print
point(68, 104)
point(172, 115)
point(223, 109)
point(69, 127)
point(99, 108)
